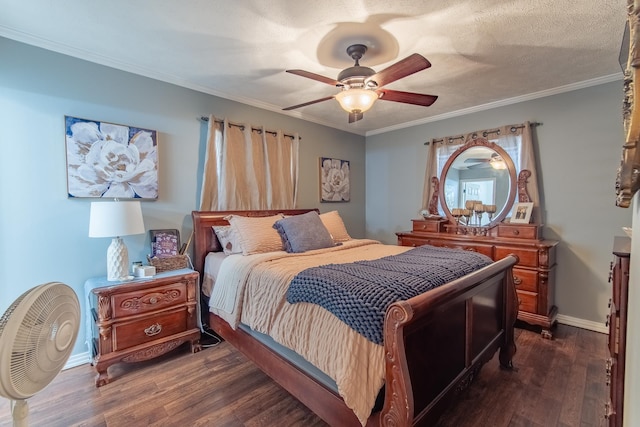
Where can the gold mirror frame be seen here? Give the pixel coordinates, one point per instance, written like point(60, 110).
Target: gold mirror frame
point(513, 182)
point(628, 176)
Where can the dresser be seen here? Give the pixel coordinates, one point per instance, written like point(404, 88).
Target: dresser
point(617, 322)
point(136, 320)
point(534, 275)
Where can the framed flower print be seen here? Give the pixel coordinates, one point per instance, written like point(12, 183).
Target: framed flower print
point(334, 180)
point(107, 160)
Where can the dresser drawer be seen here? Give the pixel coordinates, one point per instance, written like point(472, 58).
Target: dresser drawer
point(519, 231)
point(431, 225)
point(141, 331)
point(481, 249)
point(525, 280)
point(412, 241)
point(528, 257)
point(147, 300)
point(528, 301)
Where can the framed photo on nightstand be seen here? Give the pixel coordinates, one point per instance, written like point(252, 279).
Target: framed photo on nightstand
point(164, 243)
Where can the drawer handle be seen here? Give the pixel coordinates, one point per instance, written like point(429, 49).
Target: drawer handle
point(516, 232)
point(152, 330)
point(608, 411)
point(516, 280)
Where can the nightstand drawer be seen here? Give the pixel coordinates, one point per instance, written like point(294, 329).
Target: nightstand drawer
point(528, 301)
point(147, 300)
point(525, 280)
point(129, 334)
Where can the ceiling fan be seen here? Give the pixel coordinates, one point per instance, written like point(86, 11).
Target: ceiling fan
point(495, 161)
point(362, 86)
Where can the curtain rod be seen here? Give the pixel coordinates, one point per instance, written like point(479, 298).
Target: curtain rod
point(271, 132)
point(485, 133)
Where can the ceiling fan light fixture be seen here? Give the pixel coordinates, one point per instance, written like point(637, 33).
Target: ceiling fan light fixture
point(356, 99)
point(498, 163)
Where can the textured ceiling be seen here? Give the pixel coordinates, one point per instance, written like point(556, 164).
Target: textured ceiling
point(483, 52)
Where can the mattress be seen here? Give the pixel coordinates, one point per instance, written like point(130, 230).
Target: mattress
point(252, 290)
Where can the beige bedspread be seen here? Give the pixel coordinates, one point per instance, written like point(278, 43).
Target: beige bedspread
point(252, 290)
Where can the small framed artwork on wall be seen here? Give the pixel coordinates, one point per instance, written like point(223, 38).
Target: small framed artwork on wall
point(522, 213)
point(107, 160)
point(334, 180)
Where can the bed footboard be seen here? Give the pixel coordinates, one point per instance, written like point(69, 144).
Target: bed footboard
point(436, 342)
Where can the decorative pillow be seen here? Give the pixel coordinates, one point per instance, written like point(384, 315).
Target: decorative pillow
point(301, 233)
point(256, 234)
point(333, 222)
point(228, 239)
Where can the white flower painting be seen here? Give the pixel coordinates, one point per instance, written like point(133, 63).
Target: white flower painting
point(107, 160)
point(334, 180)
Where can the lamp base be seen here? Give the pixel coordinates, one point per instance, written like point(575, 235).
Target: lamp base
point(117, 260)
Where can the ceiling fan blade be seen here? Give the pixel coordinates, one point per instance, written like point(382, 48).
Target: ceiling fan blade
point(316, 77)
point(315, 101)
point(354, 116)
point(476, 160)
point(403, 68)
point(406, 97)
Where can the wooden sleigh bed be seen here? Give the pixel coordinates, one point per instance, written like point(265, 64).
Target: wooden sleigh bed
point(434, 343)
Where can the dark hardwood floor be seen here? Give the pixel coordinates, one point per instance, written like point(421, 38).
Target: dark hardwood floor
point(556, 382)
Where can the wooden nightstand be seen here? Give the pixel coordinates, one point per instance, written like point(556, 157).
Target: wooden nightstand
point(137, 320)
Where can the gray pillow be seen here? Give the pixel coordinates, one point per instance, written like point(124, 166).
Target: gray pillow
point(301, 233)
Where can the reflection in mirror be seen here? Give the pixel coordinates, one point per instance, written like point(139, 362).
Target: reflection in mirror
point(478, 185)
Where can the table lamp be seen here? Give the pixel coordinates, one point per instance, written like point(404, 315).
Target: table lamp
point(116, 219)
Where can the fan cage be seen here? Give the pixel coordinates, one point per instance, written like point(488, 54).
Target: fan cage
point(38, 344)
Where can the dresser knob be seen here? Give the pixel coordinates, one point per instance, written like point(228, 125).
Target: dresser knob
point(153, 300)
point(516, 280)
point(516, 232)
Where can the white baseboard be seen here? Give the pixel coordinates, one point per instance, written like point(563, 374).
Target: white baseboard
point(584, 324)
point(77, 360)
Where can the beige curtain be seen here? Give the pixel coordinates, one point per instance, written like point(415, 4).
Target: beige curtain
point(249, 168)
point(516, 140)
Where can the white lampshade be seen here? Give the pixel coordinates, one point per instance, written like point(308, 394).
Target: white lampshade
point(359, 100)
point(115, 219)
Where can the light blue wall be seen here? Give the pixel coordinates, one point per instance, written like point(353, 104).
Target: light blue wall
point(45, 234)
point(578, 149)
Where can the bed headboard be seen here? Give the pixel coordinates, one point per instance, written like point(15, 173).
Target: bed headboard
point(205, 240)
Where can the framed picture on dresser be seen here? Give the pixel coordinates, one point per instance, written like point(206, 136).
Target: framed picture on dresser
point(522, 213)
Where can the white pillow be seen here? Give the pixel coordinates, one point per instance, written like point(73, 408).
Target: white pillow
point(256, 234)
point(333, 222)
point(228, 239)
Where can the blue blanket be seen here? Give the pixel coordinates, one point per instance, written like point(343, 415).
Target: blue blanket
point(359, 293)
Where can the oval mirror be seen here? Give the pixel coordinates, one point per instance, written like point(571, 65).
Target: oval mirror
point(478, 184)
